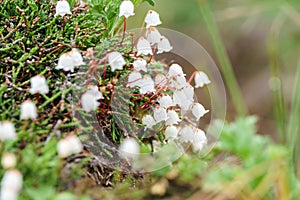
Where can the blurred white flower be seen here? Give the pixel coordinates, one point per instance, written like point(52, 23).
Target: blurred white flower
point(189, 92)
point(93, 90)
point(126, 9)
point(152, 19)
point(7, 131)
point(11, 185)
point(140, 65)
point(171, 132)
point(68, 146)
point(201, 79)
point(149, 121)
point(134, 79)
point(129, 148)
point(198, 110)
point(116, 61)
point(153, 36)
point(62, 8)
point(187, 133)
point(173, 117)
point(8, 160)
point(67, 61)
point(199, 140)
point(181, 99)
point(175, 70)
point(28, 110)
point(146, 85)
point(166, 101)
point(89, 102)
point(143, 47)
point(163, 45)
point(38, 85)
point(160, 114)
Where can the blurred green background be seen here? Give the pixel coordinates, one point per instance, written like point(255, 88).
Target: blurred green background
point(245, 27)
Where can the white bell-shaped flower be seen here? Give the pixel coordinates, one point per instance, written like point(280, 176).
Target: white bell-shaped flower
point(38, 85)
point(8, 194)
point(201, 79)
point(163, 45)
point(175, 70)
point(171, 132)
point(181, 99)
point(140, 65)
point(198, 110)
point(126, 9)
point(116, 61)
point(76, 57)
point(129, 148)
point(149, 121)
point(89, 102)
point(152, 19)
point(199, 140)
point(160, 79)
point(166, 101)
point(173, 117)
point(160, 114)
point(178, 82)
point(189, 92)
point(93, 90)
point(28, 110)
point(7, 131)
point(134, 79)
point(62, 8)
point(8, 160)
point(143, 47)
point(68, 146)
point(146, 85)
point(153, 36)
point(65, 62)
point(187, 133)
point(13, 181)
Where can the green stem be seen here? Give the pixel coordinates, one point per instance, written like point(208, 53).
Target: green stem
point(276, 88)
point(226, 67)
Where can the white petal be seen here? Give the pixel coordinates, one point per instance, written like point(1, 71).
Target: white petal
point(189, 92)
point(173, 117)
point(93, 90)
point(163, 45)
point(160, 114)
point(68, 146)
point(116, 61)
point(12, 179)
point(143, 47)
point(199, 140)
point(165, 101)
point(7, 131)
point(198, 110)
point(140, 65)
point(187, 133)
point(146, 85)
point(89, 102)
point(201, 79)
point(8, 160)
point(62, 8)
point(175, 70)
point(178, 82)
point(171, 132)
point(129, 148)
point(28, 110)
point(149, 121)
point(134, 79)
point(76, 57)
point(126, 9)
point(152, 19)
point(38, 85)
point(153, 36)
point(65, 62)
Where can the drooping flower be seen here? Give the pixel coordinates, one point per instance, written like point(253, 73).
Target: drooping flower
point(149, 121)
point(153, 36)
point(134, 79)
point(178, 82)
point(143, 47)
point(116, 61)
point(76, 57)
point(38, 85)
point(173, 117)
point(166, 101)
point(152, 19)
point(8, 160)
point(160, 114)
point(129, 148)
point(201, 79)
point(198, 110)
point(28, 110)
point(189, 92)
point(199, 140)
point(171, 132)
point(11, 185)
point(140, 65)
point(69, 60)
point(163, 45)
point(93, 90)
point(89, 102)
point(181, 99)
point(62, 8)
point(187, 133)
point(126, 9)
point(7, 131)
point(68, 146)
point(175, 70)
point(146, 85)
